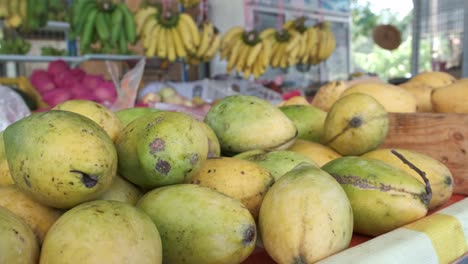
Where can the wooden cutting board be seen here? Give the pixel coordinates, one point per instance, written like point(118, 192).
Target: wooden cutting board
point(440, 135)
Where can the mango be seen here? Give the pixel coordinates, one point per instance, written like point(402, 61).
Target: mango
point(243, 122)
point(392, 97)
point(104, 117)
point(328, 94)
point(434, 79)
point(451, 98)
point(5, 177)
point(356, 124)
point(243, 180)
point(200, 225)
point(18, 245)
point(129, 114)
point(214, 148)
point(317, 152)
point(161, 148)
point(422, 92)
point(437, 173)
point(305, 217)
point(277, 162)
point(102, 232)
point(308, 120)
point(60, 158)
point(39, 217)
point(383, 197)
point(122, 190)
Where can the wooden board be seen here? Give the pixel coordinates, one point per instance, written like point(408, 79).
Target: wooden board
point(439, 135)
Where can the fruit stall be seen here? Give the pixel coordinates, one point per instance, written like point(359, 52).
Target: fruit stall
point(250, 132)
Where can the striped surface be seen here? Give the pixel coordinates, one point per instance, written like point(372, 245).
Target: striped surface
point(438, 238)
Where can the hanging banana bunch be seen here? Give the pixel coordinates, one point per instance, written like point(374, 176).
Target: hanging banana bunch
point(327, 41)
point(168, 36)
point(209, 44)
point(105, 22)
point(27, 14)
point(286, 46)
point(246, 52)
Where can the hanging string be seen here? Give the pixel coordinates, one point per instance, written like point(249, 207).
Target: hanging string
point(279, 20)
point(164, 7)
point(247, 15)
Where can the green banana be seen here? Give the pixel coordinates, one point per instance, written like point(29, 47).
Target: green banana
point(117, 23)
point(129, 22)
point(88, 31)
point(123, 45)
point(83, 14)
point(383, 197)
point(102, 27)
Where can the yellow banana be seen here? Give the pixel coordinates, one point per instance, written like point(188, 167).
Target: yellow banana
point(244, 53)
point(207, 35)
point(214, 47)
point(233, 55)
point(162, 45)
point(187, 21)
point(231, 34)
point(143, 16)
point(267, 33)
point(178, 44)
point(186, 38)
point(171, 52)
point(147, 36)
point(153, 43)
point(253, 55)
point(294, 41)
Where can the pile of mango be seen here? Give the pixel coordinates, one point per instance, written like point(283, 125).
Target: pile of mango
point(82, 184)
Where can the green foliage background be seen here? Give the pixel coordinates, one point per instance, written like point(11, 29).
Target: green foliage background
point(368, 57)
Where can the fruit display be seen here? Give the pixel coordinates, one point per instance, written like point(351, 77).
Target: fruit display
point(59, 82)
point(246, 52)
point(251, 174)
point(103, 26)
point(169, 35)
point(24, 14)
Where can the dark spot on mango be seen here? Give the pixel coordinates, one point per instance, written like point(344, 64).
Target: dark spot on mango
point(99, 211)
point(248, 235)
point(193, 158)
point(242, 172)
point(448, 180)
point(163, 167)
point(157, 145)
point(155, 122)
point(28, 183)
point(299, 260)
point(88, 180)
point(71, 183)
point(355, 122)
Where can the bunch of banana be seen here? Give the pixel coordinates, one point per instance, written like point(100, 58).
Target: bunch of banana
point(189, 3)
point(109, 25)
point(327, 41)
point(298, 26)
point(286, 46)
point(168, 36)
point(29, 14)
point(246, 52)
point(210, 42)
point(317, 42)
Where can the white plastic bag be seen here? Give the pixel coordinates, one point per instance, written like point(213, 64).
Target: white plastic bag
point(12, 107)
point(127, 88)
